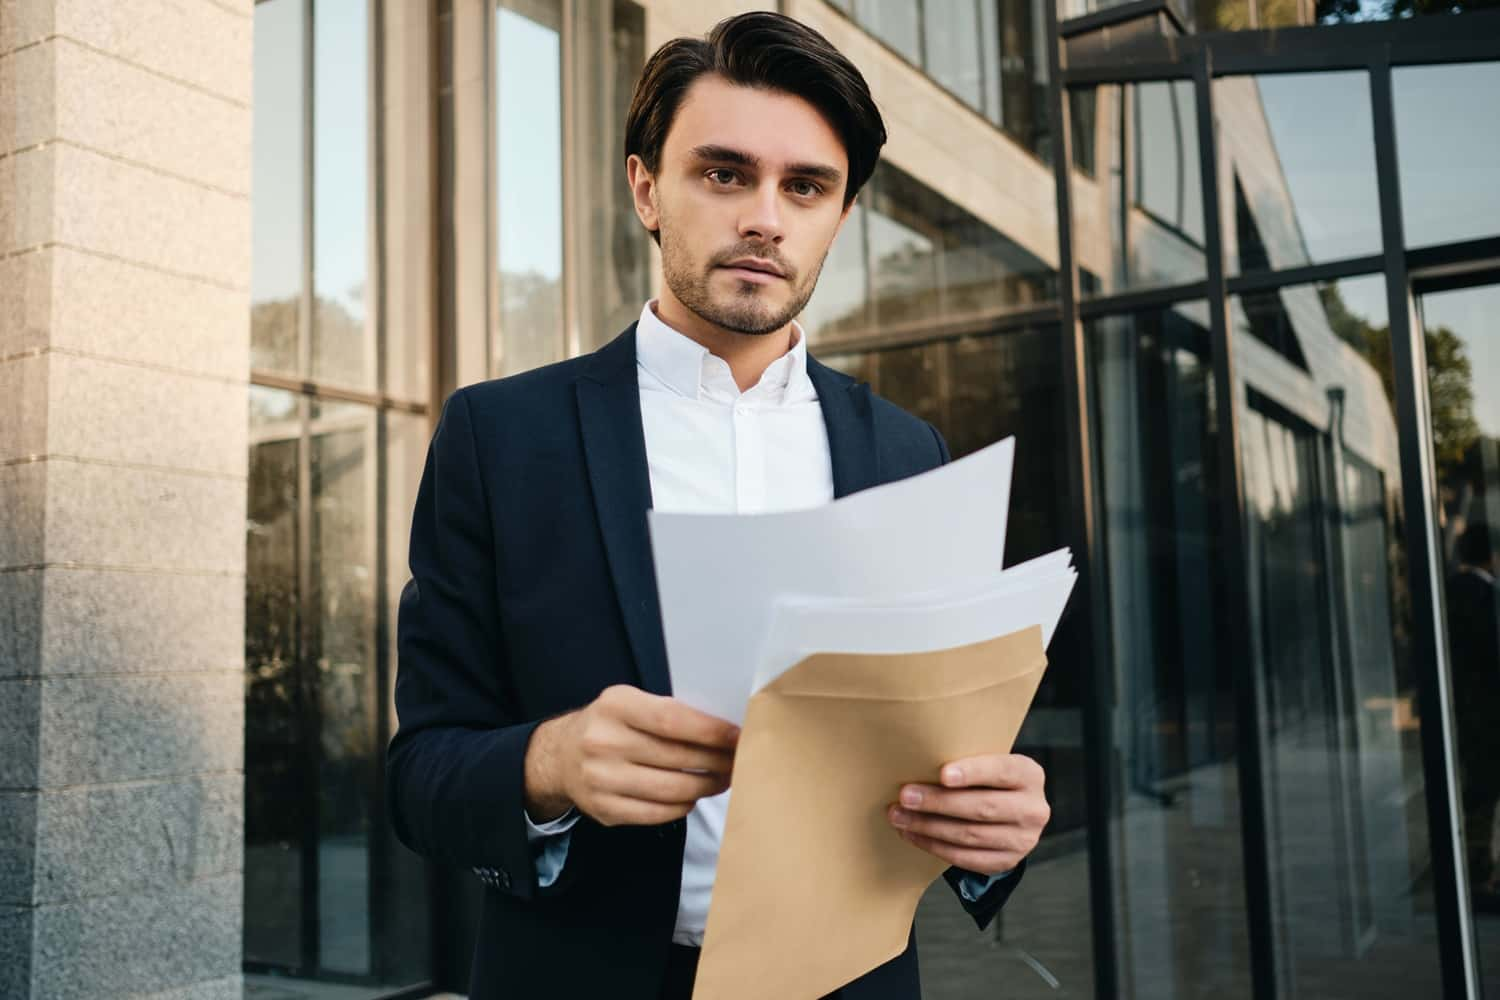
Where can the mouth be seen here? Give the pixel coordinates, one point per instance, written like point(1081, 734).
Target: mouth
point(753, 269)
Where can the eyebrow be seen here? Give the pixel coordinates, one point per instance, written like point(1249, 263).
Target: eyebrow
point(726, 154)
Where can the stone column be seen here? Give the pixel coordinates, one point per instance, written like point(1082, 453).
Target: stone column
point(124, 324)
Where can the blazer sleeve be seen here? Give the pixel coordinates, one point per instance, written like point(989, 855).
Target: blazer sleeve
point(455, 768)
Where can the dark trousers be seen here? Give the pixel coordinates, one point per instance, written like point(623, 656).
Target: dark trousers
point(682, 966)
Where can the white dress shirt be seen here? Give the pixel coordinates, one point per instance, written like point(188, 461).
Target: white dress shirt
point(712, 449)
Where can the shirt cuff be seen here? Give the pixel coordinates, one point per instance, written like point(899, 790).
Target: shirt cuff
point(539, 831)
point(973, 887)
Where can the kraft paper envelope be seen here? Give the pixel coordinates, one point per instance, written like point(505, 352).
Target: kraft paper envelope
point(814, 886)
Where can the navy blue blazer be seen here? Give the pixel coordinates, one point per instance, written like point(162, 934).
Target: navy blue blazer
point(532, 591)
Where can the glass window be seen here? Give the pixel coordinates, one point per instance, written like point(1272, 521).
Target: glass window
point(1448, 151)
point(978, 390)
point(342, 333)
point(841, 302)
point(895, 22)
point(1462, 330)
point(1148, 203)
point(1346, 823)
point(529, 186)
point(1179, 880)
point(952, 39)
point(1300, 148)
point(1238, 15)
point(278, 185)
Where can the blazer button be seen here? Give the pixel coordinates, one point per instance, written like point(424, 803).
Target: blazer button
point(503, 878)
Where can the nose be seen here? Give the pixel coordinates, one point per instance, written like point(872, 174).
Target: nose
point(761, 218)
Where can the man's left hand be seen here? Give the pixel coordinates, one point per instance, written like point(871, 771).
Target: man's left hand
point(985, 817)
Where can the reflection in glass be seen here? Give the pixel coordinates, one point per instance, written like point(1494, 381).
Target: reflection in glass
point(953, 41)
point(1448, 151)
point(1300, 148)
point(978, 390)
point(1179, 877)
point(277, 187)
point(615, 252)
point(274, 776)
point(843, 293)
point(328, 894)
point(894, 22)
point(1351, 910)
point(1146, 146)
point(342, 338)
point(528, 158)
point(1463, 357)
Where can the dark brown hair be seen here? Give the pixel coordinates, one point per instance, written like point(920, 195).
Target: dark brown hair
point(765, 50)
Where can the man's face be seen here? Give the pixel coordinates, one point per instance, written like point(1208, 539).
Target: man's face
point(748, 197)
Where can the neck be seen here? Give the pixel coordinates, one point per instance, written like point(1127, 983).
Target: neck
point(748, 355)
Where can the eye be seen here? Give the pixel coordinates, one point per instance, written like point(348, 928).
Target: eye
point(722, 176)
point(804, 189)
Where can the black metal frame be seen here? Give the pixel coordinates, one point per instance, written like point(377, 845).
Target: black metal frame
point(1374, 48)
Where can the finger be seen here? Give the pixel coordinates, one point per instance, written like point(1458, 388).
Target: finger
point(653, 751)
point(670, 719)
point(653, 784)
point(974, 860)
point(622, 810)
point(982, 805)
point(960, 833)
point(998, 770)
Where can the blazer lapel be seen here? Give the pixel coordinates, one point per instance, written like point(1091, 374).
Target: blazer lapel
point(849, 416)
point(614, 447)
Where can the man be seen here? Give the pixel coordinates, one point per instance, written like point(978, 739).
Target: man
point(538, 741)
point(1474, 656)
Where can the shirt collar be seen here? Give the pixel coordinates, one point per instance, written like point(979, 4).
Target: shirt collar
point(688, 368)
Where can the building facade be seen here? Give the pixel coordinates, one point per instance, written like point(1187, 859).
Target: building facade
point(1229, 270)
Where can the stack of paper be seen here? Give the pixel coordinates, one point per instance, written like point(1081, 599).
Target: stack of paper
point(862, 645)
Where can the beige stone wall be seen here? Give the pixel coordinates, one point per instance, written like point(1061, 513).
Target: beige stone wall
point(124, 308)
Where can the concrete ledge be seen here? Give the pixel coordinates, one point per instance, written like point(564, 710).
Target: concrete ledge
point(228, 988)
point(137, 837)
point(118, 946)
point(104, 729)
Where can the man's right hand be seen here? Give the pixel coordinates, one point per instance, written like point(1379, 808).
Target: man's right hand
point(628, 758)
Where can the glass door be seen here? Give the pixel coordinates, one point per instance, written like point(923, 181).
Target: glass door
point(1461, 328)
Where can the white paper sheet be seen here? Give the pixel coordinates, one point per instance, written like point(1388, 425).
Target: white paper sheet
point(719, 575)
point(1008, 602)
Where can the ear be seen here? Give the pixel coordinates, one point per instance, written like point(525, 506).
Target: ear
point(643, 192)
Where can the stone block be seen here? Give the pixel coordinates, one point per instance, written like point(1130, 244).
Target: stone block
point(26, 188)
point(23, 407)
point(106, 621)
point(124, 945)
point(148, 119)
point(119, 728)
point(27, 111)
point(204, 44)
point(21, 599)
point(25, 301)
point(20, 707)
point(130, 212)
point(23, 514)
point(137, 837)
point(110, 308)
point(228, 988)
point(15, 933)
point(17, 847)
point(124, 413)
point(99, 515)
point(25, 22)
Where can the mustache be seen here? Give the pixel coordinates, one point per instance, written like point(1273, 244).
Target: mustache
point(758, 251)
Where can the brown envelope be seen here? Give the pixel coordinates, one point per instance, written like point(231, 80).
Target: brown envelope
point(814, 886)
